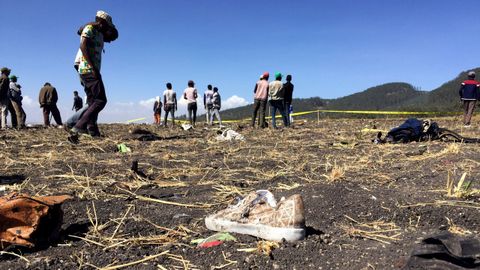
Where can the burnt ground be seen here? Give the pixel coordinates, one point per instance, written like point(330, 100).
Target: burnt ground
point(366, 205)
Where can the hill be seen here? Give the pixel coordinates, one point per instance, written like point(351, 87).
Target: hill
point(390, 96)
point(382, 97)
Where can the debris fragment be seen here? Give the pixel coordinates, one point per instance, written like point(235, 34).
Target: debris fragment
point(28, 221)
point(230, 135)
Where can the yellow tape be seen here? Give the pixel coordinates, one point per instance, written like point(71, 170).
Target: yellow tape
point(329, 111)
point(136, 120)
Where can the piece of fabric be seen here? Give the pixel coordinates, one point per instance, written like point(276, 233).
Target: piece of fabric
point(259, 107)
point(468, 108)
point(94, 39)
point(261, 90)
point(275, 90)
point(190, 94)
point(28, 221)
point(445, 251)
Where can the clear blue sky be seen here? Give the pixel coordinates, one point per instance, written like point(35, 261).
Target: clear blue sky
point(332, 48)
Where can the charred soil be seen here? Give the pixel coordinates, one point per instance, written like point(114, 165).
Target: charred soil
point(365, 205)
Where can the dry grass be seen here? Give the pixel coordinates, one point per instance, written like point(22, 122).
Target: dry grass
point(381, 231)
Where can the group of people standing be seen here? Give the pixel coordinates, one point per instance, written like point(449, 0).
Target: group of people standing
point(11, 100)
point(279, 96)
point(211, 101)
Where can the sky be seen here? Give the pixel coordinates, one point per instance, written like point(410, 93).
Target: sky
point(331, 48)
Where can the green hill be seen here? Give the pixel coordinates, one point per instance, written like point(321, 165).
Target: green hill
point(382, 97)
point(390, 96)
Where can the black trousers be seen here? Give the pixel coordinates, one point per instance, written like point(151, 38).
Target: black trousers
point(96, 99)
point(51, 108)
point(192, 109)
point(169, 108)
point(262, 106)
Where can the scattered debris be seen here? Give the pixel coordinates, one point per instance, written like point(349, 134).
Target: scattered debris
point(230, 135)
point(214, 240)
point(445, 251)
point(30, 221)
point(123, 148)
point(187, 126)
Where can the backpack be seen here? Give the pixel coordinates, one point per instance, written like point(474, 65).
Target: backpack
point(15, 95)
point(414, 129)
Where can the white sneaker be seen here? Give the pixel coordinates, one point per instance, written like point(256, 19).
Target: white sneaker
point(255, 216)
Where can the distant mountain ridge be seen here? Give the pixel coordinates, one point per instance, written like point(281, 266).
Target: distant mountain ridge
point(399, 96)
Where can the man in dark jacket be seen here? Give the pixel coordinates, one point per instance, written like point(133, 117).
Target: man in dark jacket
point(288, 95)
point(4, 89)
point(48, 101)
point(77, 102)
point(469, 93)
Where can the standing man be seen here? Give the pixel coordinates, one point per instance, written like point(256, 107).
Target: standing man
point(77, 102)
point(88, 59)
point(190, 94)
point(4, 89)
point(288, 92)
point(207, 102)
point(469, 93)
point(216, 105)
point(157, 111)
point(16, 101)
point(48, 101)
point(260, 100)
point(277, 99)
point(170, 103)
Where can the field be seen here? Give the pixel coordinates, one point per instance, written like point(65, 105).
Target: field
point(366, 205)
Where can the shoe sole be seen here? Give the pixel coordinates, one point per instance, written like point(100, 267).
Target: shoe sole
point(262, 231)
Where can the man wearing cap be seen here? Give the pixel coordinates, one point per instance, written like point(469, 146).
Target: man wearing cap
point(260, 100)
point(469, 93)
point(16, 98)
point(88, 63)
point(4, 89)
point(276, 93)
